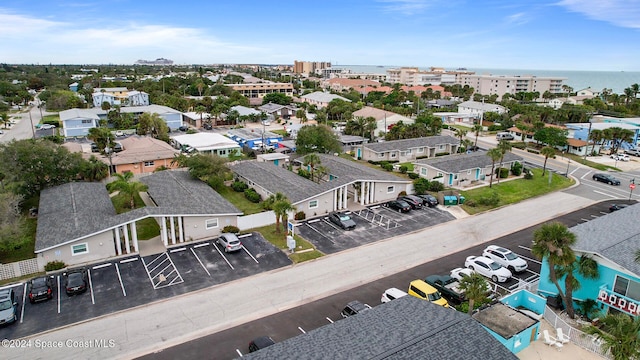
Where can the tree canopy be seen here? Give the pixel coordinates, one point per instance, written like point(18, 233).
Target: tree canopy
point(211, 169)
point(152, 124)
point(319, 139)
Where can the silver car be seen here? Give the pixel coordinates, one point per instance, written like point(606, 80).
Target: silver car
point(229, 242)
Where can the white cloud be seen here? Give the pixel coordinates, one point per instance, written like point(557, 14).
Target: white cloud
point(405, 7)
point(517, 18)
point(622, 13)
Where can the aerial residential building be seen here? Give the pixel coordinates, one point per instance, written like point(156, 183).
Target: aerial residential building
point(142, 154)
point(479, 108)
point(321, 99)
point(207, 143)
point(513, 84)
point(259, 90)
point(309, 67)
point(384, 119)
point(413, 76)
point(409, 149)
point(120, 96)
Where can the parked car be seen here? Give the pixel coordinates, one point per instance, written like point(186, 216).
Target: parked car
point(620, 157)
point(46, 127)
point(506, 258)
point(634, 152)
point(447, 286)
point(392, 294)
point(353, 308)
point(94, 147)
point(260, 343)
point(416, 202)
point(458, 273)
point(616, 207)
point(229, 242)
point(75, 281)
point(119, 133)
point(606, 178)
point(40, 289)
point(429, 200)
point(488, 268)
point(342, 220)
point(8, 306)
point(424, 291)
point(504, 136)
point(399, 205)
point(183, 128)
point(207, 126)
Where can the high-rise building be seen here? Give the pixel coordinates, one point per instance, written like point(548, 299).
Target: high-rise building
point(309, 67)
point(511, 84)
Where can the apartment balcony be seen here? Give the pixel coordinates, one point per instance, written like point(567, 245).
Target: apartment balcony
point(617, 301)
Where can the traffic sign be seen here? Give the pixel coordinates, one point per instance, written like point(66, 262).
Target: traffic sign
point(632, 186)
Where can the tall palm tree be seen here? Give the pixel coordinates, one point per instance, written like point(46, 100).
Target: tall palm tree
point(4, 119)
point(475, 288)
point(547, 152)
point(477, 129)
point(620, 335)
point(504, 146)
point(284, 207)
point(596, 137)
point(128, 187)
point(553, 241)
point(280, 205)
point(586, 267)
point(312, 161)
point(460, 134)
point(495, 155)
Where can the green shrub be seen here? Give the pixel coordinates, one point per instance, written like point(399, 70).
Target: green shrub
point(239, 186)
point(300, 215)
point(413, 176)
point(304, 173)
point(421, 185)
point(516, 168)
point(528, 175)
point(404, 168)
point(252, 195)
point(54, 265)
point(230, 229)
point(435, 186)
point(491, 200)
point(388, 167)
point(503, 173)
point(495, 127)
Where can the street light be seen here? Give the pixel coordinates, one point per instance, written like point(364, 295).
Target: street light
point(568, 163)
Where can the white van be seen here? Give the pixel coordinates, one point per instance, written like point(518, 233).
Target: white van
point(504, 136)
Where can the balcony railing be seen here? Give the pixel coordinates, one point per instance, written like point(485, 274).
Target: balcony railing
point(619, 302)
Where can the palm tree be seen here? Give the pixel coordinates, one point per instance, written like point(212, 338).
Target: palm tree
point(460, 134)
point(596, 137)
point(94, 170)
point(4, 119)
point(553, 241)
point(280, 205)
point(620, 335)
point(477, 129)
point(548, 152)
point(495, 155)
point(475, 288)
point(504, 146)
point(312, 161)
point(586, 267)
point(127, 187)
point(284, 207)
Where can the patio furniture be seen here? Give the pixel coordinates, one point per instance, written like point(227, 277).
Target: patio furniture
point(562, 338)
point(551, 341)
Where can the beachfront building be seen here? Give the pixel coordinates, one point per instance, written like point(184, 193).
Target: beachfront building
point(511, 84)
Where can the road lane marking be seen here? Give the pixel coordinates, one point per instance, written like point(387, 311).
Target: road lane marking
point(224, 257)
point(59, 291)
point(178, 250)
point(331, 321)
point(239, 353)
point(244, 236)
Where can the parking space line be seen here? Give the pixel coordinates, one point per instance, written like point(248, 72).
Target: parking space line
point(595, 216)
point(247, 251)
point(224, 257)
point(200, 245)
point(239, 353)
point(148, 273)
point(160, 263)
point(128, 260)
point(201, 264)
point(324, 220)
point(120, 278)
point(101, 266)
point(59, 291)
point(313, 221)
point(93, 300)
point(331, 321)
point(319, 232)
point(177, 250)
point(244, 236)
point(585, 220)
point(24, 298)
point(301, 329)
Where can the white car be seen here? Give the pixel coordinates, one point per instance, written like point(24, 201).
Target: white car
point(620, 157)
point(47, 126)
point(392, 294)
point(458, 273)
point(119, 133)
point(506, 258)
point(487, 267)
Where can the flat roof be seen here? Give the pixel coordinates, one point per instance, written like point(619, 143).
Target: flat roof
point(205, 141)
point(504, 320)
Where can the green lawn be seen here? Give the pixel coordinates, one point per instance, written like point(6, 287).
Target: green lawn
point(26, 250)
point(239, 201)
point(147, 228)
point(510, 192)
point(282, 133)
point(280, 241)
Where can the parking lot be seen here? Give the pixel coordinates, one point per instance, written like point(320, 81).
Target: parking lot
point(134, 281)
point(372, 224)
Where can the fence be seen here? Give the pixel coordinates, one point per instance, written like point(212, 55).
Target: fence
point(20, 268)
point(256, 220)
point(581, 339)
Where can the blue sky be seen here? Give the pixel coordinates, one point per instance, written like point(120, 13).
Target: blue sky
point(518, 34)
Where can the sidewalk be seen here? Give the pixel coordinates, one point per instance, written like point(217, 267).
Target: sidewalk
point(152, 327)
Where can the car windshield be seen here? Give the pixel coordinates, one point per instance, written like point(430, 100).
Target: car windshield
point(510, 256)
point(5, 305)
point(344, 217)
point(39, 282)
point(435, 296)
point(494, 265)
point(402, 203)
point(75, 277)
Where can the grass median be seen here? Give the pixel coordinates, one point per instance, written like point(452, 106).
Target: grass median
point(304, 249)
point(513, 191)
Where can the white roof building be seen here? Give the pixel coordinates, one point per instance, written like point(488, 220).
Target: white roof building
point(207, 143)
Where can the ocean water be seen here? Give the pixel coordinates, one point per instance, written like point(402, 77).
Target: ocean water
point(617, 81)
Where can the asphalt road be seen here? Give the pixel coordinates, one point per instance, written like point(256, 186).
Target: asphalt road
point(231, 343)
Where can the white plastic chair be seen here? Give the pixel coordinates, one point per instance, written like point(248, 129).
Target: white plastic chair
point(562, 338)
point(550, 340)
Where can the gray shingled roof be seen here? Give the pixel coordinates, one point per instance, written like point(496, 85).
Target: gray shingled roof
point(277, 179)
point(615, 236)
point(181, 193)
point(405, 328)
point(80, 209)
point(461, 162)
point(404, 144)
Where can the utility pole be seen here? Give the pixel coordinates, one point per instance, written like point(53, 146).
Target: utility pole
point(33, 131)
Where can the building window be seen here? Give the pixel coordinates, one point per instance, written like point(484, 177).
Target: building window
point(423, 171)
point(79, 249)
point(313, 204)
point(211, 223)
point(420, 150)
point(393, 154)
point(391, 189)
point(222, 152)
point(87, 121)
point(440, 147)
point(626, 287)
point(381, 155)
point(149, 163)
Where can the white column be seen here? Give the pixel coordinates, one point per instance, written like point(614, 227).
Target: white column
point(371, 191)
point(118, 246)
point(340, 196)
point(126, 240)
point(334, 199)
point(134, 235)
point(362, 192)
point(180, 232)
point(173, 230)
point(163, 230)
point(345, 197)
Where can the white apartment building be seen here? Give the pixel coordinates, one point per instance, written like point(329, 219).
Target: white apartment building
point(413, 76)
point(511, 84)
